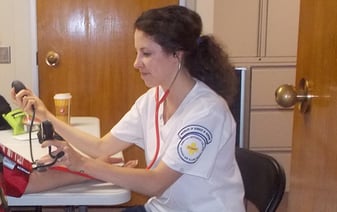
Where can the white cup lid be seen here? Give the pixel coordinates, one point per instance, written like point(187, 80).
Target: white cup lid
point(62, 96)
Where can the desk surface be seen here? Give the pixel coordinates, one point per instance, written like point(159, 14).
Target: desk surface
point(89, 193)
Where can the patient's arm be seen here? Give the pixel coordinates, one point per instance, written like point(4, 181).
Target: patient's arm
point(42, 181)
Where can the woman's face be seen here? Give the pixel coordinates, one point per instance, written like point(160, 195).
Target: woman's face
point(155, 66)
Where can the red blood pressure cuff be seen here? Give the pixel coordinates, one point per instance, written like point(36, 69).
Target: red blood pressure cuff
point(14, 173)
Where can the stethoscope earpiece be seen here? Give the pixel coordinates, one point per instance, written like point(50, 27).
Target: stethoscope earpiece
point(176, 56)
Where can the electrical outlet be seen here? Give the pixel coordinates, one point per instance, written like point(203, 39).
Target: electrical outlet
point(5, 54)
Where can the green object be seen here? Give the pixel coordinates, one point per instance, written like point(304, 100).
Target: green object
point(15, 120)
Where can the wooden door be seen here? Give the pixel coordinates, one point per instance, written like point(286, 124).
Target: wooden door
point(94, 40)
point(313, 185)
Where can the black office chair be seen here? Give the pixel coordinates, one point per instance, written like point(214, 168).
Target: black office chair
point(263, 178)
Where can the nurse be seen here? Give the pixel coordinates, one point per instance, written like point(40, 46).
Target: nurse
point(182, 122)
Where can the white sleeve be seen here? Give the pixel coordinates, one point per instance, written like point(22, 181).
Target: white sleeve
point(131, 127)
point(196, 145)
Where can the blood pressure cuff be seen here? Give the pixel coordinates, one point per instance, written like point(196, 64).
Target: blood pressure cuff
point(14, 173)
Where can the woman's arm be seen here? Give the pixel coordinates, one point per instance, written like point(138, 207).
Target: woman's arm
point(85, 142)
point(149, 182)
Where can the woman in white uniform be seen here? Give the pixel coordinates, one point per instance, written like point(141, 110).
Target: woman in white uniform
point(182, 122)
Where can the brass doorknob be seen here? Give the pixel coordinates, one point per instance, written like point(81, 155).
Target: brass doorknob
point(288, 95)
point(52, 58)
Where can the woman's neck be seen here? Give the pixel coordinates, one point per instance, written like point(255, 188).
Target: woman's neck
point(179, 90)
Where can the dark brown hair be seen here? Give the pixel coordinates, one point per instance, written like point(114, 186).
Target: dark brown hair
point(177, 28)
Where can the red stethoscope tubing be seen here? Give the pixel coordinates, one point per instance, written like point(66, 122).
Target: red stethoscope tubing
point(156, 121)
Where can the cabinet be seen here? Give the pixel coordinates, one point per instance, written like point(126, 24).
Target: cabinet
point(257, 31)
point(270, 125)
point(262, 35)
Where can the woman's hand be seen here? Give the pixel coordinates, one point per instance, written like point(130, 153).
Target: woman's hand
point(119, 161)
point(46, 159)
point(74, 160)
point(27, 101)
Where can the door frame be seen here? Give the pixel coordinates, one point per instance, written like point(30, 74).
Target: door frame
point(34, 68)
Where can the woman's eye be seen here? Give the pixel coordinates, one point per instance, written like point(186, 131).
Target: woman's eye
point(146, 54)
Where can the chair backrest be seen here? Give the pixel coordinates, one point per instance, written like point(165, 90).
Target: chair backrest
point(263, 177)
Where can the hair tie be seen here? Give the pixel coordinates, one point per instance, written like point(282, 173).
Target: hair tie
point(199, 40)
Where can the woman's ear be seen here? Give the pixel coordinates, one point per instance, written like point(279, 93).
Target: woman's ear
point(178, 55)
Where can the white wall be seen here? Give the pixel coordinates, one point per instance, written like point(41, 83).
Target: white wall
point(17, 24)
point(206, 11)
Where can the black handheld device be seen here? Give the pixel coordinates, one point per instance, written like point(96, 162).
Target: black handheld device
point(46, 132)
point(18, 86)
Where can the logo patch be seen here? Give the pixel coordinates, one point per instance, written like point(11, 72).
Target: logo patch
point(194, 139)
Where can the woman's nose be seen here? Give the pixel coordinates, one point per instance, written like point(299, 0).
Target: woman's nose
point(137, 63)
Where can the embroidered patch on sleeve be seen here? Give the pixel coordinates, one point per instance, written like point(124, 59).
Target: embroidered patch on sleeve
point(193, 140)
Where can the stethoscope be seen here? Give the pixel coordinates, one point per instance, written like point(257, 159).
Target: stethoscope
point(156, 123)
point(156, 116)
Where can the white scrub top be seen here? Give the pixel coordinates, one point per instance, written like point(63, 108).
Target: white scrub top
point(198, 141)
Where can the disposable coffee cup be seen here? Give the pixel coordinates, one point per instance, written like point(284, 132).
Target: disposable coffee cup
point(62, 106)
